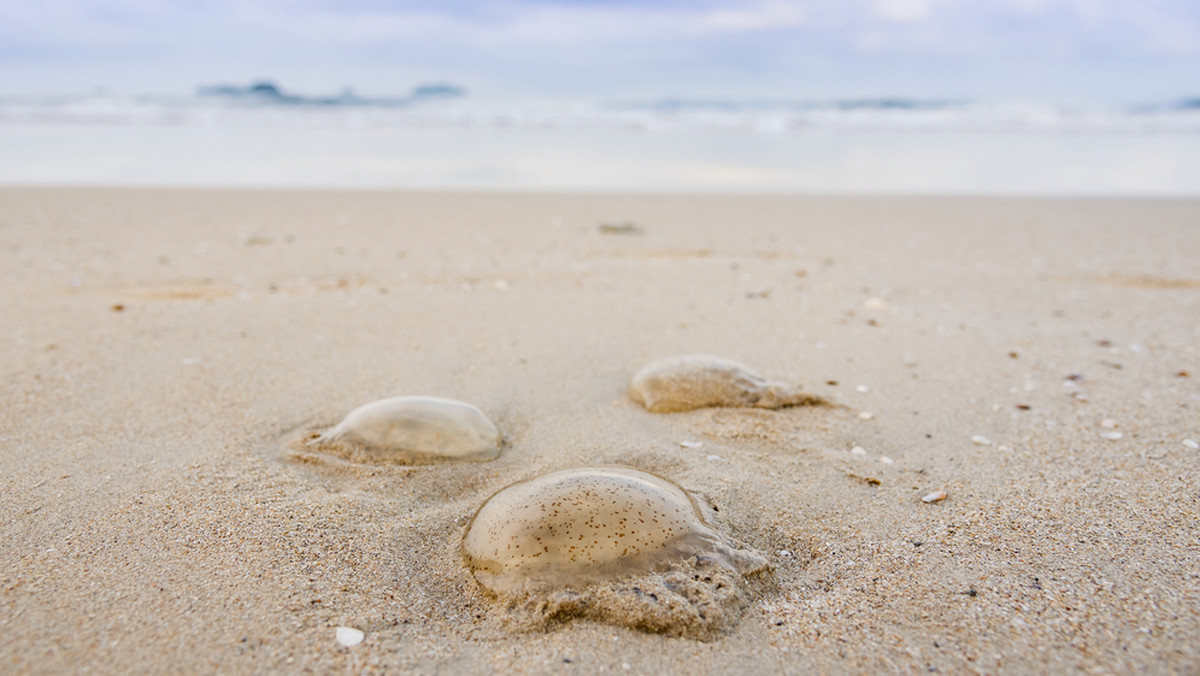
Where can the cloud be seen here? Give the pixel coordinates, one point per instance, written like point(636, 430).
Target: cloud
point(1149, 24)
point(652, 41)
point(903, 11)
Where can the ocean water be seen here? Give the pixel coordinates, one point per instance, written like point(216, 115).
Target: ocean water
point(871, 146)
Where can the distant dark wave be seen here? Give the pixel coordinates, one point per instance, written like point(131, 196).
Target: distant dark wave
point(448, 106)
point(269, 93)
point(733, 106)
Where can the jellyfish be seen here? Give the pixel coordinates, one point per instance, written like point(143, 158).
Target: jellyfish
point(689, 382)
point(413, 431)
point(610, 543)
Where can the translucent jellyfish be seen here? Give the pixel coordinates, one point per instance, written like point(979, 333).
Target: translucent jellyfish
point(413, 430)
point(610, 543)
point(698, 381)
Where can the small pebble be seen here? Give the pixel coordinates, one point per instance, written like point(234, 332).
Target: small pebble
point(875, 304)
point(1004, 449)
point(862, 388)
point(714, 458)
point(858, 450)
point(1108, 423)
point(936, 496)
point(784, 552)
point(690, 444)
point(1113, 436)
point(886, 460)
point(981, 441)
point(349, 636)
point(866, 416)
point(1191, 443)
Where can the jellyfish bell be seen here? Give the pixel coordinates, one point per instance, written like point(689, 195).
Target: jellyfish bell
point(687, 382)
point(608, 543)
point(414, 430)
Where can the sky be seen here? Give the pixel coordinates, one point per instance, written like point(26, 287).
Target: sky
point(1061, 51)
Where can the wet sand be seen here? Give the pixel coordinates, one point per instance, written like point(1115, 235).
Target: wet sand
point(165, 349)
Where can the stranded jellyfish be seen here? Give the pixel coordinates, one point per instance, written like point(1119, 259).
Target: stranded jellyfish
point(610, 543)
point(413, 430)
point(698, 381)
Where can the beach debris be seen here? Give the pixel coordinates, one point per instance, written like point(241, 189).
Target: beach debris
point(1191, 443)
point(1112, 436)
point(691, 444)
point(1108, 424)
point(614, 544)
point(875, 303)
point(868, 480)
point(886, 460)
point(979, 440)
point(936, 496)
point(858, 450)
point(688, 382)
point(413, 430)
point(348, 636)
point(620, 228)
point(866, 415)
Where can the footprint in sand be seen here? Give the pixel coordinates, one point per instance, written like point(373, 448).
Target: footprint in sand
point(412, 431)
point(613, 544)
point(689, 382)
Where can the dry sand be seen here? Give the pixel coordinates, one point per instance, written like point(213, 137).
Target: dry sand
point(162, 347)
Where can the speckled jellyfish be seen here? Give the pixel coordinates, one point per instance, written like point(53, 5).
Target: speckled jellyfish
point(696, 381)
point(413, 430)
point(610, 543)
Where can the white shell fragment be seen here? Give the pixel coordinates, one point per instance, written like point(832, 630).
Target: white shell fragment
point(981, 440)
point(1191, 443)
point(349, 636)
point(936, 496)
point(414, 430)
point(688, 382)
point(691, 444)
point(1112, 436)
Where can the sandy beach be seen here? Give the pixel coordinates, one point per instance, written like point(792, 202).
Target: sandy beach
point(1035, 359)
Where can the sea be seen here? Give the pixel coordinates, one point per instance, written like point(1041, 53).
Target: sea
point(860, 146)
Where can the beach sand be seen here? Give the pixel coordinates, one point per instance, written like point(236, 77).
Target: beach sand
point(164, 349)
